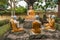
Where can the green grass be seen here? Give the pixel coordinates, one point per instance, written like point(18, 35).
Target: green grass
point(3, 22)
point(57, 26)
point(4, 29)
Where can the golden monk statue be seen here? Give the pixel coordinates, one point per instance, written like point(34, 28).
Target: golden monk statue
point(36, 27)
point(50, 24)
point(14, 25)
point(30, 14)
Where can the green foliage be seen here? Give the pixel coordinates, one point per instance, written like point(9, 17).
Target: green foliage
point(21, 20)
point(4, 29)
point(57, 26)
point(3, 1)
point(40, 1)
point(4, 12)
point(48, 4)
point(20, 10)
point(56, 1)
point(3, 22)
point(51, 4)
point(3, 4)
point(57, 19)
point(1, 12)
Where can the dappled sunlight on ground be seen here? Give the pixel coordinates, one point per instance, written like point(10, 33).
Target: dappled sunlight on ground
point(9, 17)
point(4, 17)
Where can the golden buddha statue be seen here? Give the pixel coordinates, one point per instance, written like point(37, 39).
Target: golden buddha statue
point(30, 14)
point(36, 27)
point(14, 26)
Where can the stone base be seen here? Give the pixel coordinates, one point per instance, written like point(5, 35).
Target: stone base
point(27, 35)
point(27, 24)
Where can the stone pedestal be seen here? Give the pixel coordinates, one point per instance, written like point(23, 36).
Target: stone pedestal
point(27, 24)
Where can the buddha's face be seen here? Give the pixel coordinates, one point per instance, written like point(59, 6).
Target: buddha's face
point(30, 7)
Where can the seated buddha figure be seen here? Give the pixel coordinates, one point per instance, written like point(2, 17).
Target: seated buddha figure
point(50, 24)
point(15, 25)
point(30, 14)
point(36, 27)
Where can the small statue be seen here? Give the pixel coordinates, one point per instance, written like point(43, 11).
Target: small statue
point(31, 11)
point(15, 25)
point(36, 27)
point(50, 24)
point(30, 14)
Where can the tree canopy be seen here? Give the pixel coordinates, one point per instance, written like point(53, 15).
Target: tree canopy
point(3, 4)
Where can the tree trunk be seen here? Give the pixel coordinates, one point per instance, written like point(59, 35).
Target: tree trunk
point(11, 7)
point(58, 8)
point(14, 7)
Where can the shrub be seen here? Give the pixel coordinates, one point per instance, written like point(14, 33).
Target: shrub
point(20, 10)
point(2, 12)
point(57, 19)
point(21, 20)
point(3, 22)
point(7, 12)
point(57, 26)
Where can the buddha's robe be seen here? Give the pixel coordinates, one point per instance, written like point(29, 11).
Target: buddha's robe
point(14, 26)
point(36, 27)
point(30, 14)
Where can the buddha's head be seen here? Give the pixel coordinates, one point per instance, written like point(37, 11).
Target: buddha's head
point(30, 7)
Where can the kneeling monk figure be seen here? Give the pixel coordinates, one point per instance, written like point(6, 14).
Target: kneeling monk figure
point(50, 24)
point(14, 25)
